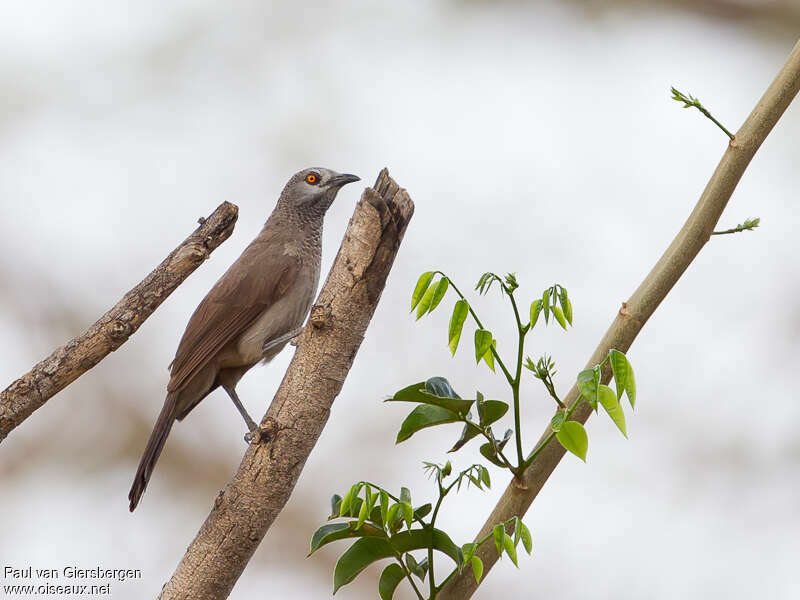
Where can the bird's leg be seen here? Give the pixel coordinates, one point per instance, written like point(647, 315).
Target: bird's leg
point(254, 431)
point(269, 344)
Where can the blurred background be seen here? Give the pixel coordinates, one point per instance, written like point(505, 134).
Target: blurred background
point(534, 137)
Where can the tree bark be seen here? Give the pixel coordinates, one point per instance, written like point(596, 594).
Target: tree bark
point(70, 361)
point(634, 313)
point(244, 511)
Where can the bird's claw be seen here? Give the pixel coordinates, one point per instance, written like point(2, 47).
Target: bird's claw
point(256, 435)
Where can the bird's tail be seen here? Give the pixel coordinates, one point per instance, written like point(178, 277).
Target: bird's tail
point(153, 449)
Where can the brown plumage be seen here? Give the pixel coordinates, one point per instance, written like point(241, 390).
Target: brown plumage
point(250, 314)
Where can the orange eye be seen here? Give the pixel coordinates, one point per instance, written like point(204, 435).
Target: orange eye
point(311, 178)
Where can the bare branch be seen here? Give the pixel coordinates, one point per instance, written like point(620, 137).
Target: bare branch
point(244, 511)
point(70, 361)
point(634, 313)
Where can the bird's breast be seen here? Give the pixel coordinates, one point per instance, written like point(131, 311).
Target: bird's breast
point(282, 317)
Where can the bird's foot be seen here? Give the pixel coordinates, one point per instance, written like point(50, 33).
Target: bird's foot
point(258, 435)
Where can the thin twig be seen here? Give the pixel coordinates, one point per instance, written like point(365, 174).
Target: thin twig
point(73, 359)
point(689, 101)
point(748, 225)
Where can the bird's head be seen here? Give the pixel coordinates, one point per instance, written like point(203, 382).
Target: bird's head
point(314, 189)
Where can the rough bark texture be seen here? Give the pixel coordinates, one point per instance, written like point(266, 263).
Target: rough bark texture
point(244, 511)
point(634, 313)
point(70, 361)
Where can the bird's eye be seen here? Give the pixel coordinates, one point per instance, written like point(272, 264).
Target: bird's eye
point(312, 178)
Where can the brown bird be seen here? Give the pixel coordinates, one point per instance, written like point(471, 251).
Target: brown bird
point(256, 307)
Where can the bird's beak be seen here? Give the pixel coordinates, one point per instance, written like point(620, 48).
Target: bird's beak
point(339, 180)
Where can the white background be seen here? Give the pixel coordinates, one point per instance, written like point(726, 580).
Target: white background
point(536, 138)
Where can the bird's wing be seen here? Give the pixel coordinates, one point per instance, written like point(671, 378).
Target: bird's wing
point(257, 280)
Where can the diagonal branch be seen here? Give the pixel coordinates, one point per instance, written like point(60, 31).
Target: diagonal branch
point(73, 359)
point(244, 511)
point(634, 313)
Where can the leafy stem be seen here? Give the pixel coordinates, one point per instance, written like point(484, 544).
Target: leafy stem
point(547, 380)
point(442, 493)
point(488, 435)
point(529, 461)
point(407, 574)
point(689, 101)
point(479, 324)
point(396, 499)
point(379, 524)
point(748, 225)
point(522, 330)
point(478, 544)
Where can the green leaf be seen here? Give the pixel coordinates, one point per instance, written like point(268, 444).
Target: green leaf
point(460, 312)
point(419, 539)
point(422, 285)
point(477, 568)
point(566, 307)
point(559, 315)
point(434, 392)
point(588, 384)
point(405, 495)
point(474, 480)
point(508, 545)
point(408, 513)
point(630, 386)
point(390, 578)
point(482, 282)
point(484, 476)
point(489, 356)
point(573, 437)
point(470, 431)
point(424, 416)
point(354, 508)
point(392, 521)
point(358, 557)
point(375, 516)
point(491, 411)
point(422, 568)
point(362, 514)
point(614, 409)
point(525, 536)
point(439, 386)
point(557, 420)
point(340, 531)
point(344, 506)
point(417, 568)
point(499, 533)
point(468, 550)
point(487, 450)
point(411, 563)
point(423, 510)
point(370, 498)
point(546, 304)
point(483, 342)
point(336, 503)
point(438, 295)
point(511, 282)
point(369, 549)
point(384, 506)
point(619, 366)
point(485, 282)
point(425, 302)
point(536, 308)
